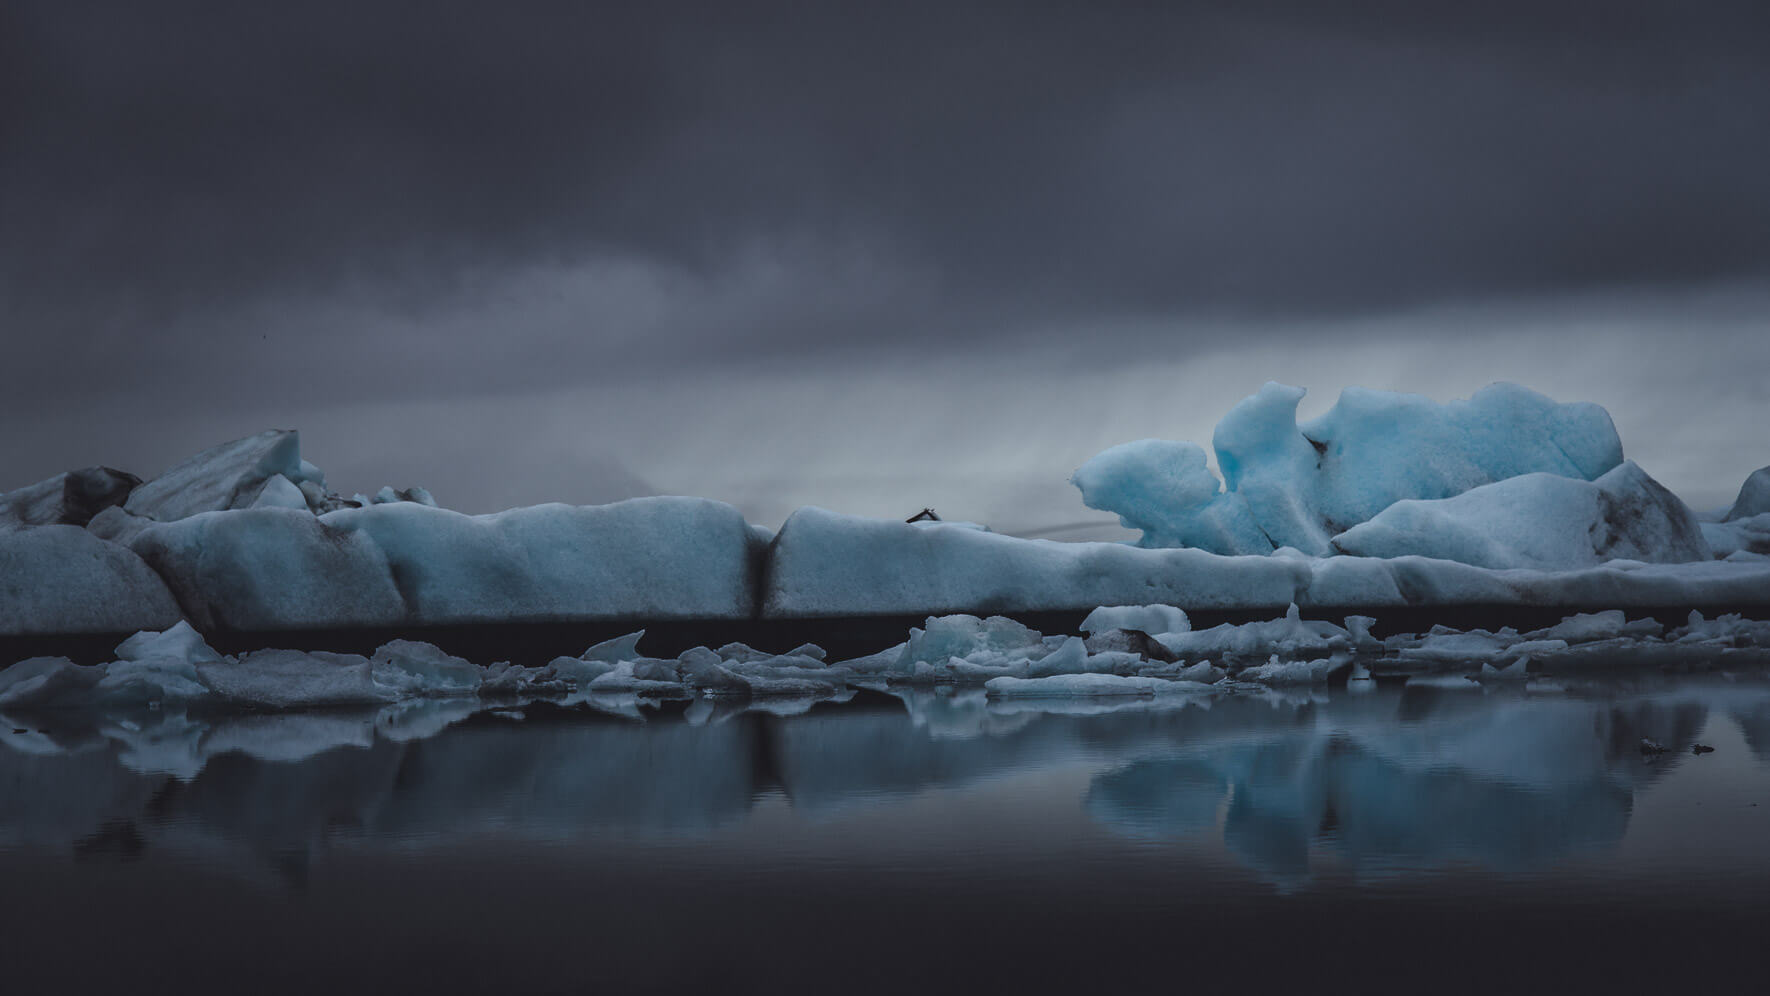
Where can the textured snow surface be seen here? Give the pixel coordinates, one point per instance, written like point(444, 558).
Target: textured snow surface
point(232, 475)
point(275, 568)
point(62, 579)
point(826, 564)
point(1286, 484)
point(70, 499)
point(1540, 521)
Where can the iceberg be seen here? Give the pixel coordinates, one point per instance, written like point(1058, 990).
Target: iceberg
point(232, 475)
point(70, 499)
point(1754, 497)
point(1539, 521)
point(826, 564)
point(47, 683)
point(1145, 481)
point(1286, 484)
point(406, 562)
point(61, 579)
point(272, 569)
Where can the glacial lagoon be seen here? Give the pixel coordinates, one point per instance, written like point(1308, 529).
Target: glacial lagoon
point(1425, 833)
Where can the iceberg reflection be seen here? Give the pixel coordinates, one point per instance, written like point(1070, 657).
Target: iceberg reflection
point(1387, 781)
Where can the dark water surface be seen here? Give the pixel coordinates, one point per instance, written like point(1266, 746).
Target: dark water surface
point(1394, 839)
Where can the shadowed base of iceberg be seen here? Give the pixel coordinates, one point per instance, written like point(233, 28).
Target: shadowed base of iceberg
point(842, 636)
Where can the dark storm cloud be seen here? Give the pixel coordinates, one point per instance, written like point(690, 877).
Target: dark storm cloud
point(1295, 156)
point(217, 216)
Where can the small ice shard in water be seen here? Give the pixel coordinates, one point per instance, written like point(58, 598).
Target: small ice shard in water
point(621, 648)
point(1516, 671)
point(1151, 619)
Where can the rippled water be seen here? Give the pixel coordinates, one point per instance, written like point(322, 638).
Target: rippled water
point(1419, 837)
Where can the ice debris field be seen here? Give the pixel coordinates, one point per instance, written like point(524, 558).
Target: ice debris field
point(1148, 651)
point(1387, 501)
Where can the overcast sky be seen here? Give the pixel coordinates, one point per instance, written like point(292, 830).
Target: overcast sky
point(870, 257)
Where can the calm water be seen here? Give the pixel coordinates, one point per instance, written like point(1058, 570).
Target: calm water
point(1410, 839)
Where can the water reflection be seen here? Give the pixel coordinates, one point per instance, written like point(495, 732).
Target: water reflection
point(1385, 781)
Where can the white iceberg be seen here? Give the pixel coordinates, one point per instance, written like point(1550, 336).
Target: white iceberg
point(1539, 521)
point(1286, 484)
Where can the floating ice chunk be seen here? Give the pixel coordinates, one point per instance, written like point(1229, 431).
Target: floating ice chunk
point(945, 637)
point(64, 580)
point(625, 679)
point(706, 672)
point(294, 679)
point(1277, 672)
point(47, 683)
point(978, 666)
point(150, 682)
point(810, 650)
point(70, 499)
point(1204, 673)
point(741, 653)
point(505, 680)
point(655, 669)
point(879, 663)
point(621, 648)
point(1151, 619)
point(1476, 646)
point(1358, 630)
point(1541, 521)
point(180, 642)
point(573, 672)
point(1070, 658)
point(1731, 629)
point(1087, 685)
point(1585, 627)
point(1291, 636)
point(231, 475)
point(413, 668)
point(1130, 641)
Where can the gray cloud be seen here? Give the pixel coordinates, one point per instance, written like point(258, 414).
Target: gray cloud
point(636, 222)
